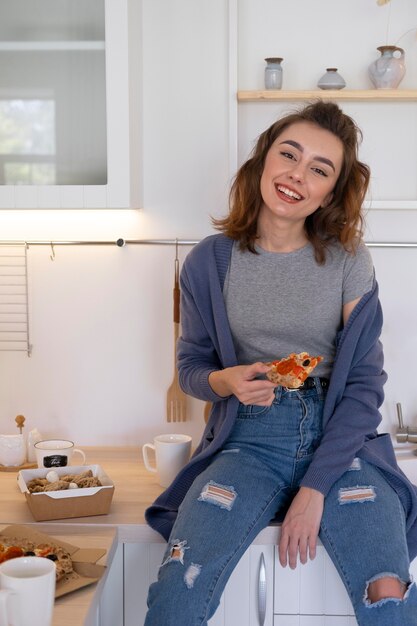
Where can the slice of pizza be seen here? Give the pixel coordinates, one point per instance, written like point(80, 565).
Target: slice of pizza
point(12, 548)
point(292, 370)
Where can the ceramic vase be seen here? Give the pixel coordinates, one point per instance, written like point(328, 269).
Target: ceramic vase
point(388, 70)
point(331, 80)
point(273, 73)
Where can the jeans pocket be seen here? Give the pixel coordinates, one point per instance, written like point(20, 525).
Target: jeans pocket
point(248, 411)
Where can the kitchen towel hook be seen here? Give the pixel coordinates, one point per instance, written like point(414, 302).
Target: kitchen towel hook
point(52, 255)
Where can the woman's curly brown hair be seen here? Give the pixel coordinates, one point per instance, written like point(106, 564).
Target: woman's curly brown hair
point(341, 220)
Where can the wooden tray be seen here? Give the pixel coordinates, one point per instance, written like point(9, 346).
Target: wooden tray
point(17, 468)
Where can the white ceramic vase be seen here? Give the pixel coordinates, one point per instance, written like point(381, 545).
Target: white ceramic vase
point(388, 70)
point(331, 80)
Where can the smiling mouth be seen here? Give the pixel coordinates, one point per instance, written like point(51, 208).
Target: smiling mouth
point(288, 193)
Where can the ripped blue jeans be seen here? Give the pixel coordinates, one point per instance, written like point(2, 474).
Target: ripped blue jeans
point(254, 477)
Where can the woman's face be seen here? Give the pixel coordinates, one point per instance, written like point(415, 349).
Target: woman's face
point(301, 169)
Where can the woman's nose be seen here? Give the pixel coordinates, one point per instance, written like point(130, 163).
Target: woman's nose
point(297, 173)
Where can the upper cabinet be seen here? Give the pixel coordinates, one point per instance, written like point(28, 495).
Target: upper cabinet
point(69, 82)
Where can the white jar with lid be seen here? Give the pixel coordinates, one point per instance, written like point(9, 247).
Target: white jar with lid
point(12, 450)
point(273, 73)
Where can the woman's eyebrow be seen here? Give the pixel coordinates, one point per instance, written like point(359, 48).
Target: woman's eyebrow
point(299, 147)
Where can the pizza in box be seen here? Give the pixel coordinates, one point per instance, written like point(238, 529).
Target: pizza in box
point(73, 570)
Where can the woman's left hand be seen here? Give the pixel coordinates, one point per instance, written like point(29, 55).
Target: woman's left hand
point(300, 528)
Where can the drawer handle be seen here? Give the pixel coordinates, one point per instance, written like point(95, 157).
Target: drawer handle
point(262, 591)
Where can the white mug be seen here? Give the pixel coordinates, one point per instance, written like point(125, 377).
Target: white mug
point(172, 452)
point(12, 450)
point(55, 452)
point(27, 591)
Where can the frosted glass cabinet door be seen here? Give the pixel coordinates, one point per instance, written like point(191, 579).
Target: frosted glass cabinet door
point(64, 90)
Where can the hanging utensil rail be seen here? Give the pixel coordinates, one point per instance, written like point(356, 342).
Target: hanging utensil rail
point(120, 243)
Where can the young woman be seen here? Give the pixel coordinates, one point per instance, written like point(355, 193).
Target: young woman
point(288, 273)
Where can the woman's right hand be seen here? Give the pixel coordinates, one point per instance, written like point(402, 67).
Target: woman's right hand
point(242, 381)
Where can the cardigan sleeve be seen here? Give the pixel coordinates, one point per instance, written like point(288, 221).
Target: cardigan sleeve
point(196, 351)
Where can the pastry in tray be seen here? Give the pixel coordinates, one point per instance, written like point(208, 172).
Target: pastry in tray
point(54, 482)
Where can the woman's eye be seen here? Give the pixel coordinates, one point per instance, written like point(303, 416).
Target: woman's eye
point(287, 155)
point(319, 171)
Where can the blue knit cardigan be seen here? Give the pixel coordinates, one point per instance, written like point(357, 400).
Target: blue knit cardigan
point(351, 412)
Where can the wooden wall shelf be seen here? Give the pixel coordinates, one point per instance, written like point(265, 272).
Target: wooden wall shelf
point(329, 94)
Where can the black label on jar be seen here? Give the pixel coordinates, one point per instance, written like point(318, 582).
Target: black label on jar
point(56, 460)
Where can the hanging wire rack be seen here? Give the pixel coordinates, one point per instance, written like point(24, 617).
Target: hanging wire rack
point(14, 300)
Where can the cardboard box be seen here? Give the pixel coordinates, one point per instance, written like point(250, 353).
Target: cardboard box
point(84, 560)
point(67, 503)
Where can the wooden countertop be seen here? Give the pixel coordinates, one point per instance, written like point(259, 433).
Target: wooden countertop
point(135, 490)
point(78, 607)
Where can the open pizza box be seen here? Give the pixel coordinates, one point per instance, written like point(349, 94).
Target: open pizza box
point(68, 503)
point(86, 570)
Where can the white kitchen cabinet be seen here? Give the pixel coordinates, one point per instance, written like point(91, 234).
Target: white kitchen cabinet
point(110, 610)
point(239, 604)
point(69, 122)
point(141, 564)
point(313, 620)
point(241, 601)
point(311, 595)
point(311, 589)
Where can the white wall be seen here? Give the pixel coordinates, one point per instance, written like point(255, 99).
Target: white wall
point(101, 317)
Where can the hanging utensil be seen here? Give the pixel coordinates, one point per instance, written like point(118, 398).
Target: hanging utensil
point(207, 411)
point(176, 398)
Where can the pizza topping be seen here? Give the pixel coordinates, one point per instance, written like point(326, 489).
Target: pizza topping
point(11, 553)
point(292, 370)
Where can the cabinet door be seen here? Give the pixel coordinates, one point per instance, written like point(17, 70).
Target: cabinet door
point(239, 603)
point(111, 599)
point(413, 569)
point(141, 564)
point(311, 589)
point(314, 620)
point(65, 136)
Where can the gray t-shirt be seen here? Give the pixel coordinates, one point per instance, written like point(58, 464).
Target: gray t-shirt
point(278, 303)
